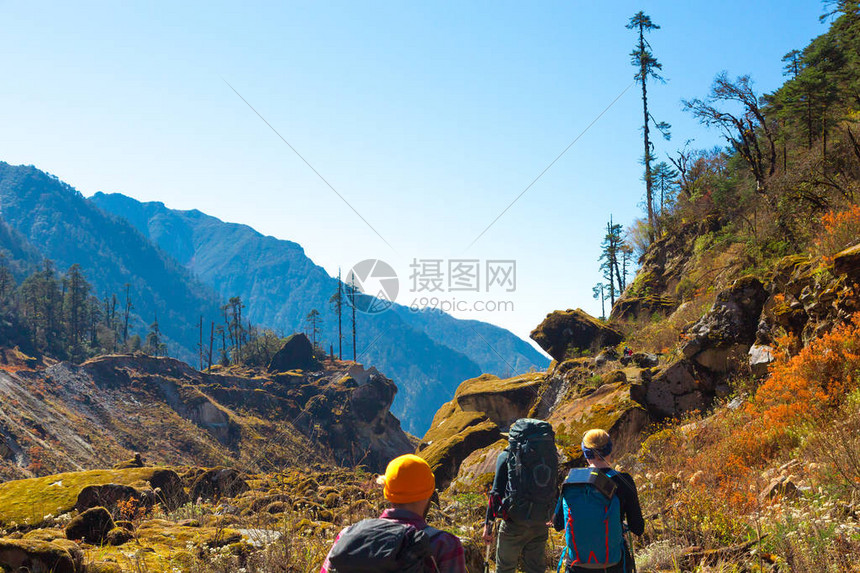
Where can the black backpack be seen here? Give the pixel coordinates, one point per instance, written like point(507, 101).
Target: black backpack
point(382, 545)
point(531, 492)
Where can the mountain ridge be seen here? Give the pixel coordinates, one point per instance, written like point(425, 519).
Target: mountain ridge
point(271, 274)
point(183, 265)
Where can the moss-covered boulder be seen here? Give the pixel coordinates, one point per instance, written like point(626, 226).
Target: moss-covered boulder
point(91, 526)
point(136, 462)
point(609, 407)
point(29, 501)
point(633, 307)
point(111, 494)
point(39, 556)
point(502, 400)
point(482, 408)
point(454, 435)
point(568, 333)
point(477, 470)
point(217, 483)
point(118, 536)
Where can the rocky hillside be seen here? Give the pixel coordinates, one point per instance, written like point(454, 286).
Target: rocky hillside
point(67, 417)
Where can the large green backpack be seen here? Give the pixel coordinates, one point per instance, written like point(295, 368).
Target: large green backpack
point(532, 466)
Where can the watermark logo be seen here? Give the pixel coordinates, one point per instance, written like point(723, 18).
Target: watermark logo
point(375, 285)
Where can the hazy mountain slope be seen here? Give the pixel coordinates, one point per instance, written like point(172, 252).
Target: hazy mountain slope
point(424, 352)
point(19, 255)
point(214, 249)
point(495, 349)
point(66, 228)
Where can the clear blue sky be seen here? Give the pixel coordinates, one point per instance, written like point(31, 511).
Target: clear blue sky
point(428, 117)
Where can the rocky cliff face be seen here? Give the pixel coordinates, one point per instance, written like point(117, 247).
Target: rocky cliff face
point(625, 395)
point(68, 417)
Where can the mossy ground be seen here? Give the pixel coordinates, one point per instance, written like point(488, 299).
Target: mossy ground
point(35, 501)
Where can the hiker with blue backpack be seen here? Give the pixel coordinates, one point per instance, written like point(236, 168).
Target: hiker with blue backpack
point(594, 504)
point(524, 494)
point(400, 539)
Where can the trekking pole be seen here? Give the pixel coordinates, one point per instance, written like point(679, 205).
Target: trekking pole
point(487, 550)
point(632, 551)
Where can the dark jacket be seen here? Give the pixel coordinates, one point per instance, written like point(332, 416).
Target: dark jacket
point(631, 512)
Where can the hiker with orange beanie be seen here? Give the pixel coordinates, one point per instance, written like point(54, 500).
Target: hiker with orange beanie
point(400, 539)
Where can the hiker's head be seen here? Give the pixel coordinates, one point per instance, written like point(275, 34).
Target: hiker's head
point(596, 445)
point(409, 483)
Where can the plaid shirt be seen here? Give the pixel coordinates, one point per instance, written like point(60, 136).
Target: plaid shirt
point(447, 549)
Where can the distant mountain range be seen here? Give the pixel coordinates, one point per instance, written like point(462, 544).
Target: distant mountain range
point(184, 264)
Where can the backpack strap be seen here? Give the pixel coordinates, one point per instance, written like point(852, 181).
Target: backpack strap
point(432, 532)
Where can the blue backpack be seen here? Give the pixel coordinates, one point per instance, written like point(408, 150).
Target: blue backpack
point(592, 511)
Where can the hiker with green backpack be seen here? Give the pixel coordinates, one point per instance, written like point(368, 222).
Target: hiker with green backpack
point(524, 495)
point(593, 506)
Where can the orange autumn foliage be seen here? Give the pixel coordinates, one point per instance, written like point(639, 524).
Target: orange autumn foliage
point(800, 390)
point(839, 231)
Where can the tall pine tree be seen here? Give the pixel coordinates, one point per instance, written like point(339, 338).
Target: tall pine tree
point(647, 67)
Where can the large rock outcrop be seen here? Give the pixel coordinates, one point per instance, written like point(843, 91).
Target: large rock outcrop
point(569, 333)
point(609, 407)
point(720, 340)
point(677, 388)
point(482, 408)
point(646, 306)
point(503, 401)
point(666, 272)
point(297, 353)
point(807, 301)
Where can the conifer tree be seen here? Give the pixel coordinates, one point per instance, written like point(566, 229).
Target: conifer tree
point(127, 313)
point(351, 291)
point(313, 321)
point(336, 302)
point(647, 67)
point(612, 250)
point(153, 339)
point(75, 310)
point(665, 183)
point(599, 291)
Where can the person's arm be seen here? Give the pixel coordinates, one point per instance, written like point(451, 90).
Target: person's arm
point(500, 484)
point(558, 517)
point(631, 507)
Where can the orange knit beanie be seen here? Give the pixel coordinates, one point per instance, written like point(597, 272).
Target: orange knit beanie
point(408, 479)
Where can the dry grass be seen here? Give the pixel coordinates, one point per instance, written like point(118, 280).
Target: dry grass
point(662, 335)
